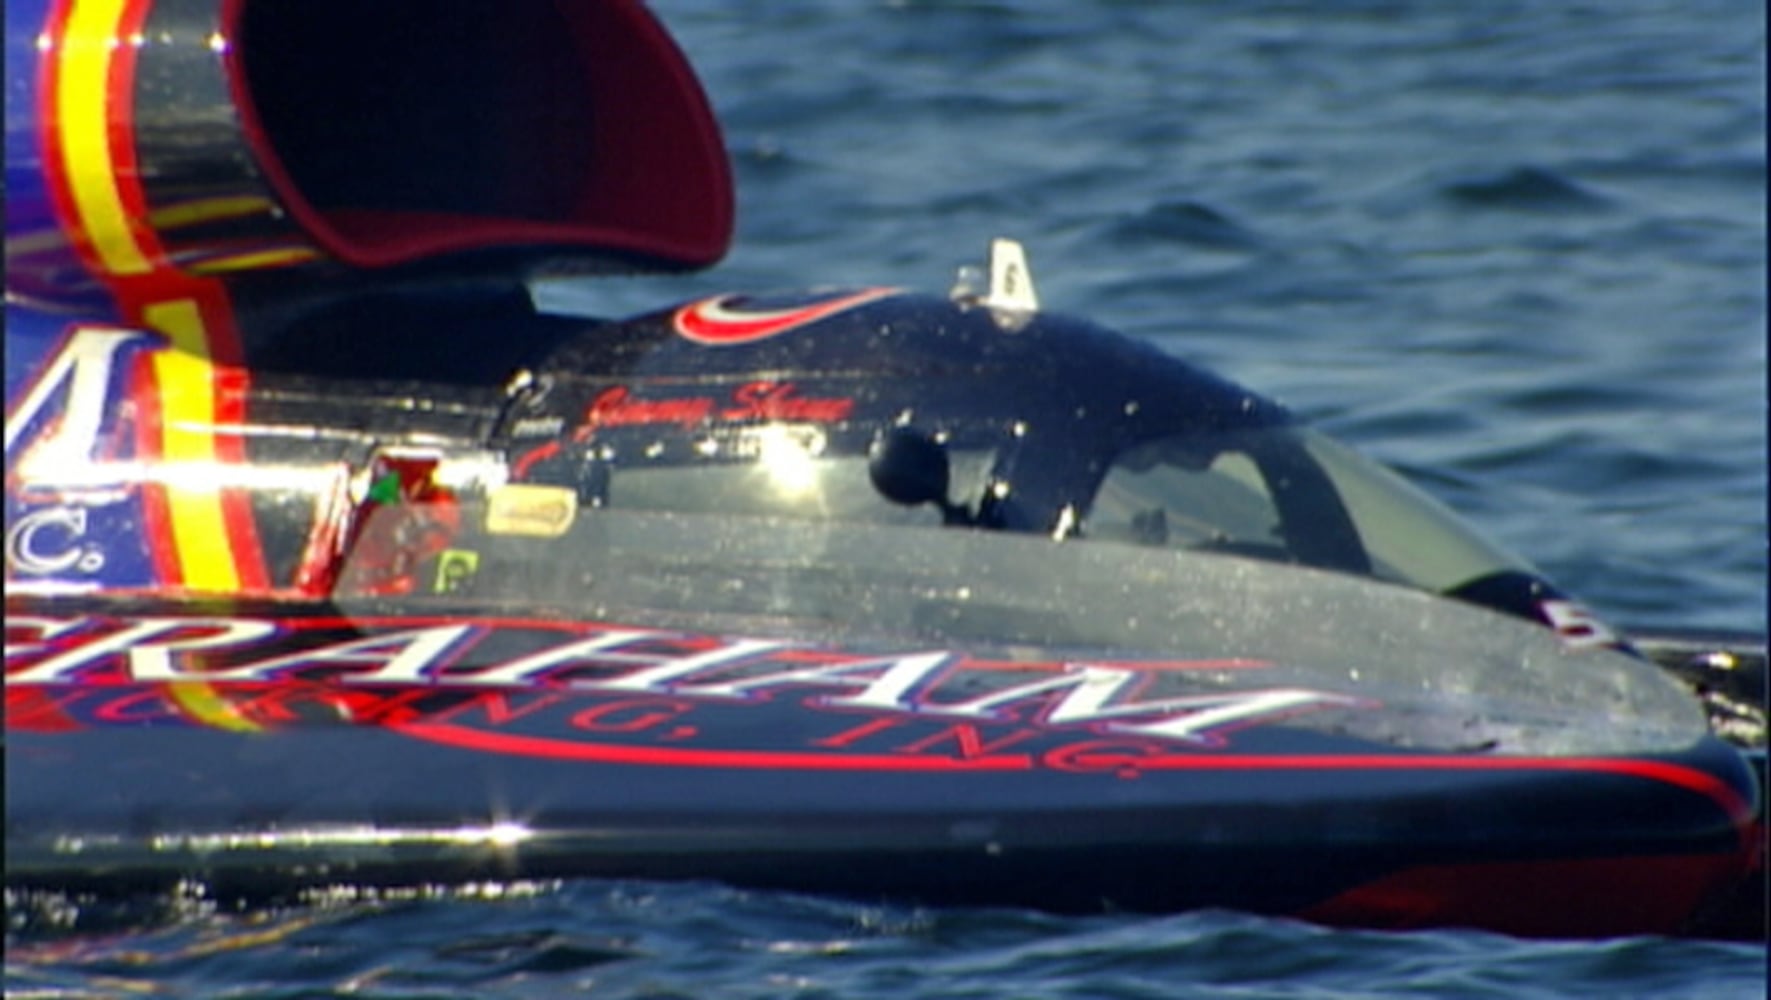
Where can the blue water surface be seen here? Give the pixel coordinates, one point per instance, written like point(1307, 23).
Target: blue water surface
point(1516, 248)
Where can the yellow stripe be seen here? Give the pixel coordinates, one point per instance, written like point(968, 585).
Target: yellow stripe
point(202, 210)
point(200, 702)
point(186, 380)
point(82, 108)
point(246, 261)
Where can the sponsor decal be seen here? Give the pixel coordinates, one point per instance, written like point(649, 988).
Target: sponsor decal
point(582, 691)
point(526, 509)
point(74, 476)
point(618, 407)
point(761, 402)
point(727, 319)
point(538, 427)
point(64, 432)
point(780, 401)
point(51, 541)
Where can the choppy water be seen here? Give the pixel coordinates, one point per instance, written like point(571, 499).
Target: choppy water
point(675, 942)
point(1516, 248)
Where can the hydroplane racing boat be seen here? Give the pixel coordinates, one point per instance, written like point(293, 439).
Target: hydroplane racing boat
point(333, 561)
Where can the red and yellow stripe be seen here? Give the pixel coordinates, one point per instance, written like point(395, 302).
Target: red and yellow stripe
point(190, 403)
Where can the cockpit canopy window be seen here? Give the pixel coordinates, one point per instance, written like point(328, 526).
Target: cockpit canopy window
point(1282, 493)
point(784, 470)
point(1287, 494)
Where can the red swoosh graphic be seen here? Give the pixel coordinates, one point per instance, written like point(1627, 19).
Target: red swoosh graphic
point(558, 749)
point(711, 321)
point(1739, 810)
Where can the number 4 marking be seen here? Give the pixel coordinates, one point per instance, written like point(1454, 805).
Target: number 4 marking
point(66, 452)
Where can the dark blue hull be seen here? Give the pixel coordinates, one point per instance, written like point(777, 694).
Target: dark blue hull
point(261, 788)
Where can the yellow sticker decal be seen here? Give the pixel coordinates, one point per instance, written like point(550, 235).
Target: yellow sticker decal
point(530, 509)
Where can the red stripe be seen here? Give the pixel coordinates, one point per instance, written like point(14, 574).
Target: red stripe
point(520, 468)
point(531, 746)
point(223, 335)
point(232, 385)
point(1738, 809)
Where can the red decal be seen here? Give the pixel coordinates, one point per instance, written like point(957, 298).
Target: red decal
point(151, 705)
point(968, 740)
point(776, 401)
point(617, 408)
point(846, 737)
point(1119, 756)
point(715, 321)
point(34, 710)
point(519, 469)
point(498, 709)
point(629, 716)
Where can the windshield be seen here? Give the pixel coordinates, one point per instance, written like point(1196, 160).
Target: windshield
point(1215, 548)
point(1196, 624)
